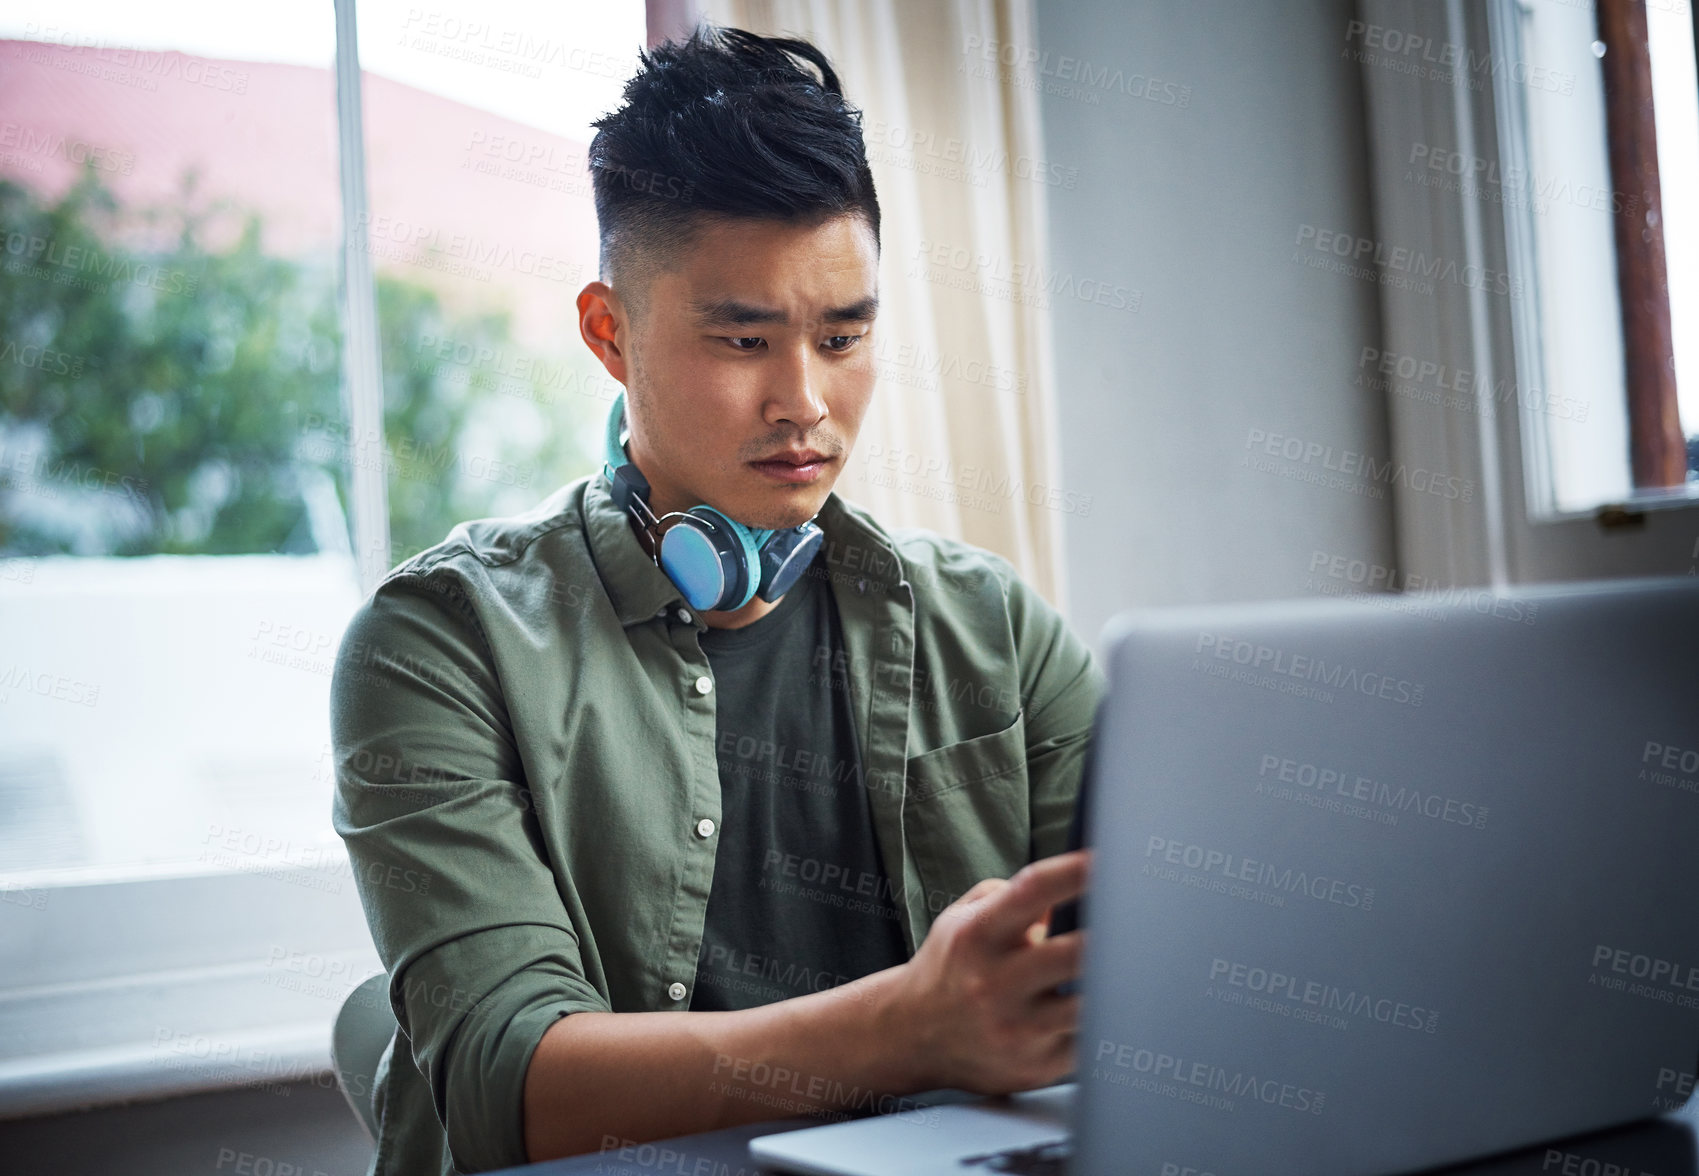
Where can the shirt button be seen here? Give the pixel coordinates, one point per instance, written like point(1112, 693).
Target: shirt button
point(683, 616)
point(675, 990)
point(704, 684)
point(704, 828)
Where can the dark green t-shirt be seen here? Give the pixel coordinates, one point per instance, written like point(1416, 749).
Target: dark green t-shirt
point(800, 900)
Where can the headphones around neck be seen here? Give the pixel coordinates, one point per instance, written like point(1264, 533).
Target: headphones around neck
point(716, 562)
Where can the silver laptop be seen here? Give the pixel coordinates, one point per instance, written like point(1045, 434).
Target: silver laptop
point(1377, 885)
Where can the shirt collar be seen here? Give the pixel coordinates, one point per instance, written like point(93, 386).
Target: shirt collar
point(856, 549)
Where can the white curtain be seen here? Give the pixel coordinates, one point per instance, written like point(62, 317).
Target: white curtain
point(961, 436)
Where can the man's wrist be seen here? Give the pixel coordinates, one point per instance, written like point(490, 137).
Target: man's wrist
point(896, 1038)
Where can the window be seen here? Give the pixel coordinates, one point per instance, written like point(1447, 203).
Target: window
point(1614, 210)
point(1672, 39)
point(179, 469)
point(481, 231)
point(170, 305)
point(1488, 138)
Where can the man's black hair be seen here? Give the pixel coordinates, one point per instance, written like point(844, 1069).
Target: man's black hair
point(726, 123)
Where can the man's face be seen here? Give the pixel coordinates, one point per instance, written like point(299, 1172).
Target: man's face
point(753, 354)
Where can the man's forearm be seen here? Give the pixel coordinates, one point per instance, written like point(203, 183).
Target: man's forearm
point(644, 1076)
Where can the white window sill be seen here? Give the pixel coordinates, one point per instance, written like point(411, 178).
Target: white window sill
point(141, 989)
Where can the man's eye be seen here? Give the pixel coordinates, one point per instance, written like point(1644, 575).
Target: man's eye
point(745, 342)
point(842, 342)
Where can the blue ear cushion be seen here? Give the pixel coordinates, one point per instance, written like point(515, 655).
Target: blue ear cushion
point(699, 563)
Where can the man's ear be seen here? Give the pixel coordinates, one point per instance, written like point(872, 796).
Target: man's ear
point(605, 327)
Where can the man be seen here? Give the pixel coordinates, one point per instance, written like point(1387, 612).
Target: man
point(638, 870)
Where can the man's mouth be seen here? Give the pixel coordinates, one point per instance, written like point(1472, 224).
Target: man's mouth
point(793, 465)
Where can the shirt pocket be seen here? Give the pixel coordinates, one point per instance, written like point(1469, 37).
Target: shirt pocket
point(966, 814)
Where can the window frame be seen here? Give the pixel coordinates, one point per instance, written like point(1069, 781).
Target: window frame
point(1497, 539)
point(362, 353)
point(1647, 535)
point(1657, 446)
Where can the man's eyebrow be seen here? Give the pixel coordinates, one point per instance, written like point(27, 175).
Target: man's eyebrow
point(861, 310)
point(730, 310)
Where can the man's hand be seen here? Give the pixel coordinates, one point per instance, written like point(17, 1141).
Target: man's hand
point(973, 1009)
point(978, 998)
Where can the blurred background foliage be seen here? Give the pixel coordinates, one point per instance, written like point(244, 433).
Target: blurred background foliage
point(166, 387)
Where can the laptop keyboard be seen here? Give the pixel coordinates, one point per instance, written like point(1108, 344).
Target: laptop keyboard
point(1045, 1159)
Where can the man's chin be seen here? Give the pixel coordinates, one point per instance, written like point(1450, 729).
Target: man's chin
point(778, 512)
point(784, 520)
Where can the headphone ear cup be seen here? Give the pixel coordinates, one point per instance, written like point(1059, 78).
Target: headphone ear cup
point(712, 560)
point(696, 558)
point(785, 556)
point(742, 556)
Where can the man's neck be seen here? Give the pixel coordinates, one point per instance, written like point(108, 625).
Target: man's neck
point(737, 618)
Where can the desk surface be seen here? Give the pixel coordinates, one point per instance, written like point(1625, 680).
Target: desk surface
point(1665, 1146)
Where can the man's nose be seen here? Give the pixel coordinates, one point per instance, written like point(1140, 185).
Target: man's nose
point(797, 393)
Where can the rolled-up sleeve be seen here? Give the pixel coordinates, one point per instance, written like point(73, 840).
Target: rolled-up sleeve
point(1061, 685)
point(463, 905)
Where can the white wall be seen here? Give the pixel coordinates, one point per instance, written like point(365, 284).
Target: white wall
point(1197, 199)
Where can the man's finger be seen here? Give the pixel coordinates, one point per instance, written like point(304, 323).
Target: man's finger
point(970, 906)
point(1043, 966)
point(1035, 888)
point(1055, 1014)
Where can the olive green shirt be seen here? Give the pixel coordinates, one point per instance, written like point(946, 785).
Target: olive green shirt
point(524, 738)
